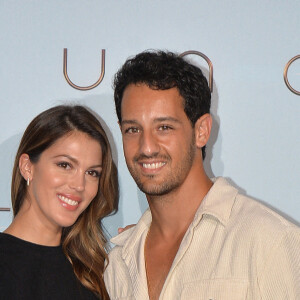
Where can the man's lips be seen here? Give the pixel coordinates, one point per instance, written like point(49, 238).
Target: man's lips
point(153, 165)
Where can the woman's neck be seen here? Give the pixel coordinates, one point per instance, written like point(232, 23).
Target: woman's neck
point(28, 228)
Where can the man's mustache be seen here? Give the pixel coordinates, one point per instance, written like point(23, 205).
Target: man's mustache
point(144, 156)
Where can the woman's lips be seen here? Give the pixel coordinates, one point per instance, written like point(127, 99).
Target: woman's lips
point(70, 202)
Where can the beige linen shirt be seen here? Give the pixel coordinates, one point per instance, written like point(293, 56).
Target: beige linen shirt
point(235, 248)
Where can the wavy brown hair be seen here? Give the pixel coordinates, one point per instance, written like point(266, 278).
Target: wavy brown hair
point(84, 243)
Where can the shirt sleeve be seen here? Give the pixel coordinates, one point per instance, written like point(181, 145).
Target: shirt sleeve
point(281, 276)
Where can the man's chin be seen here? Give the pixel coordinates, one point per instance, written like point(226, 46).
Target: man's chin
point(154, 190)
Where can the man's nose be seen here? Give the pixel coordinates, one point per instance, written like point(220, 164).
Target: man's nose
point(148, 143)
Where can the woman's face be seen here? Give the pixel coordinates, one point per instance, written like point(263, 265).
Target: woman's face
point(65, 180)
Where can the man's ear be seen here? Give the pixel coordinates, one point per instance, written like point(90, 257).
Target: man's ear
point(202, 130)
point(26, 167)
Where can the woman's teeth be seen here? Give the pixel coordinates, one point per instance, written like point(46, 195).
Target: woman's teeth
point(67, 200)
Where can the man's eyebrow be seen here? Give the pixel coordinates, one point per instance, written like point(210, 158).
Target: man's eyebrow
point(156, 120)
point(129, 122)
point(167, 119)
point(74, 160)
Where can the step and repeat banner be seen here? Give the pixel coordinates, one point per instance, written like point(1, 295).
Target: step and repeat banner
point(58, 52)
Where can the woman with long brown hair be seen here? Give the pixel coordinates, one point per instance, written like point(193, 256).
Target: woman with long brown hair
point(64, 183)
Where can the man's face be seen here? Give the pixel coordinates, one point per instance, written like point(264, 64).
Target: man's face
point(158, 139)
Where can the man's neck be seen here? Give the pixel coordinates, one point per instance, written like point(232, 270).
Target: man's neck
point(173, 213)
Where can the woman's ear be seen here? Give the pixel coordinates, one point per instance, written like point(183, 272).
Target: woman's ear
point(26, 167)
point(202, 130)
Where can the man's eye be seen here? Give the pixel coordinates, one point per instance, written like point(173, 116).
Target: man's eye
point(164, 127)
point(132, 130)
point(93, 173)
point(64, 165)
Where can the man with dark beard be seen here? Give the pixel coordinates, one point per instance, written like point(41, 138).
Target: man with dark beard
point(200, 239)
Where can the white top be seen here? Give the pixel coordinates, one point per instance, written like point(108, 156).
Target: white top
point(235, 248)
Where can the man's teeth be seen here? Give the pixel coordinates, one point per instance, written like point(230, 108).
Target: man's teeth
point(153, 165)
point(67, 200)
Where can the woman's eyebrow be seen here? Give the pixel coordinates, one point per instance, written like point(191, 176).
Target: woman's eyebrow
point(74, 160)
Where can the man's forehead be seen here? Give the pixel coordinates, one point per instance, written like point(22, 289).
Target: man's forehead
point(146, 106)
point(140, 96)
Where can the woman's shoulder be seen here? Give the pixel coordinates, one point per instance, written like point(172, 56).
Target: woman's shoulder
point(38, 271)
point(8, 245)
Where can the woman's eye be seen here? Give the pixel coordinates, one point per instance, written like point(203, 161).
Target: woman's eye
point(64, 165)
point(93, 173)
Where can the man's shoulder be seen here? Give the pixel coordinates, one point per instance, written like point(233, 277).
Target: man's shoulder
point(115, 260)
point(239, 211)
point(121, 239)
point(115, 257)
point(127, 241)
point(260, 221)
point(261, 211)
point(117, 276)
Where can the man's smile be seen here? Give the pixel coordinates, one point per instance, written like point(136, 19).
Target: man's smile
point(154, 165)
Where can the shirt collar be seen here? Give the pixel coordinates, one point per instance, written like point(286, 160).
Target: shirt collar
point(129, 237)
point(218, 203)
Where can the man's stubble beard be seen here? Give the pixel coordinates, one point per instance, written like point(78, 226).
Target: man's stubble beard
point(172, 181)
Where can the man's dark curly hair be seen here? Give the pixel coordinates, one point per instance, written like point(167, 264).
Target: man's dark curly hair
point(161, 71)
